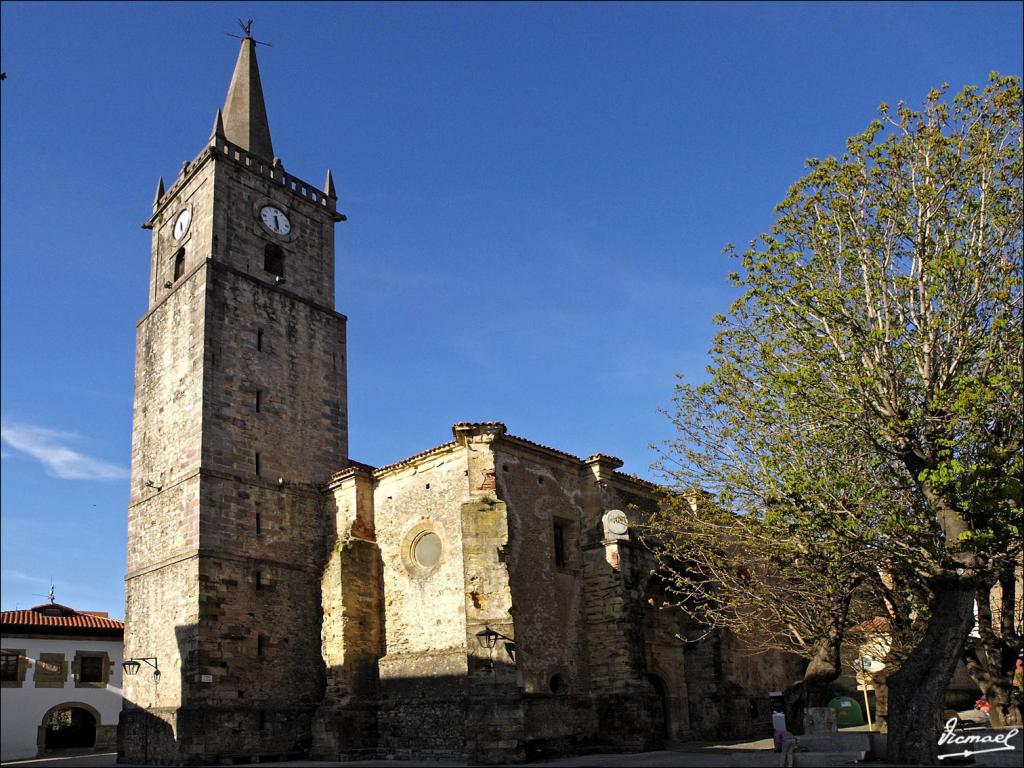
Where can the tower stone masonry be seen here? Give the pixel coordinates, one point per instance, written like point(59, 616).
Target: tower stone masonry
point(240, 417)
point(487, 598)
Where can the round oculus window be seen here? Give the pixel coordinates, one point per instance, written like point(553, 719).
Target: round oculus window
point(426, 549)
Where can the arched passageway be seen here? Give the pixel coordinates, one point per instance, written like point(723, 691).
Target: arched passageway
point(69, 727)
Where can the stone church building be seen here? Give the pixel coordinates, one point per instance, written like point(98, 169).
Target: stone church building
point(486, 598)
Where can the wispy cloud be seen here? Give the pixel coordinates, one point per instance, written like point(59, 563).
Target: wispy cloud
point(51, 449)
point(19, 576)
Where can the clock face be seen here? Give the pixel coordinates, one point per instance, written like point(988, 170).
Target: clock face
point(181, 224)
point(275, 220)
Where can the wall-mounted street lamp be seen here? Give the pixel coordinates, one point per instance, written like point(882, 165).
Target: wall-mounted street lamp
point(488, 638)
point(132, 666)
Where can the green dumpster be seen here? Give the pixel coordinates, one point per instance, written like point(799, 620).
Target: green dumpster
point(847, 711)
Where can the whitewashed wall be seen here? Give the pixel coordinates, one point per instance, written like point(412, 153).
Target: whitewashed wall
point(22, 709)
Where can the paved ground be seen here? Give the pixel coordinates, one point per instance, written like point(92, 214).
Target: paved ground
point(79, 761)
point(751, 753)
point(742, 754)
point(757, 753)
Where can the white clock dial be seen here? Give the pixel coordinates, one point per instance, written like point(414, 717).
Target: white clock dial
point(275, 220)
point(181, 224)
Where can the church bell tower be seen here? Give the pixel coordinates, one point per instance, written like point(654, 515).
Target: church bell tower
point(240, 417)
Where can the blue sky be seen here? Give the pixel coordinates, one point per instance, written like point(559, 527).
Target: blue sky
point(538, 196)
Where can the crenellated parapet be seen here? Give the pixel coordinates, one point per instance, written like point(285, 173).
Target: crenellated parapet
point(220, 149)
point(224, 149)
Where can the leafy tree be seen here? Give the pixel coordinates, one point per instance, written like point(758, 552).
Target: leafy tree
point(875, 355)
point(774, 547)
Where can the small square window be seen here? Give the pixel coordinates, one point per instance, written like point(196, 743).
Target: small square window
point(91, 669)
point(9, 667)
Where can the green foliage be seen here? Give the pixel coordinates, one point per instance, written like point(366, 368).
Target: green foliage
point(864, 402)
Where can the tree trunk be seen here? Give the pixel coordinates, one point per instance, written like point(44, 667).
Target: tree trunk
point(990, 658)
point(1003, 708)
point(917, 689)
point(813, 689)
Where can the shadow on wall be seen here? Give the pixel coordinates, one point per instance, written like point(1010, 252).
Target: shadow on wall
point(146, 734)
point(208, 725)
point(485, 717)
point(144, 739)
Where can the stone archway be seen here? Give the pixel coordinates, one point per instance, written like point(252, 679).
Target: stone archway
point(70, 725)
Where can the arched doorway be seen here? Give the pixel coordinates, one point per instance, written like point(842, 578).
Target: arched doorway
point(660, 714)
point(69, 726)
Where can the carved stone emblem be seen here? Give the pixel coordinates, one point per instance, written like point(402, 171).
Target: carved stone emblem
point(616, 524)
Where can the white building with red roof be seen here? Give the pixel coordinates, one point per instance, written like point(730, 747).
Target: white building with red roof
point(60, 681)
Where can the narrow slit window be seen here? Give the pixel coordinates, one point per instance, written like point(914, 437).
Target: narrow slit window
point(560, 559)
point(179, 263)
point(258, 399)
point(259, 524)
point(273, 260)
point(259, 339)
point(261, 645)
point(257, 465)
point(259, 580)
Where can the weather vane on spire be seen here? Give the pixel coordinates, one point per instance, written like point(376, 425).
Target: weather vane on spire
point(246, 27)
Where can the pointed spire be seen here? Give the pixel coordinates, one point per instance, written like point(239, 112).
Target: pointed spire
point(159, 192)
point(218, 127)
point(329, 186)
point(245, 114)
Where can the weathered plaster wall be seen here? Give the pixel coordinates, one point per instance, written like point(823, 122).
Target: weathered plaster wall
point(23, 708)
point(423, 674)
point(424, 612)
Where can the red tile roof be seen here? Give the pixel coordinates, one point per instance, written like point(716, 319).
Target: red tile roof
point(875, 626)
point(59, 618)
point(415, 457)
point(378, 471)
